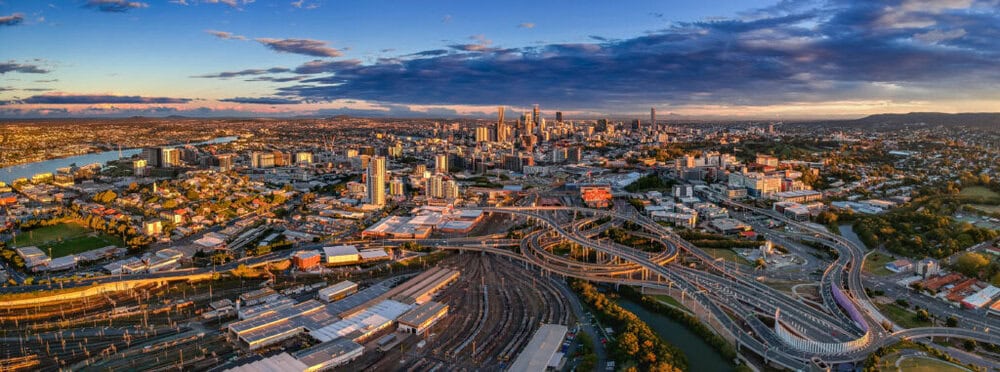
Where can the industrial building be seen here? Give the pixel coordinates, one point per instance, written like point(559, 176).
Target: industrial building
point(337, 291)
point(305, 260)
point(425, 285)
point(363, 325)
point(539, 353)
point(341, 254)
point(329, 354)
point(422, 317)
point(355, 317)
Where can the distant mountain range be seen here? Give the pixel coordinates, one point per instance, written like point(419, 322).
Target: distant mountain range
point(984, 119)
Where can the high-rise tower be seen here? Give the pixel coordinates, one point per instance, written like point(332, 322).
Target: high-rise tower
point(652, 117)
point(376, 181)
point(536, 118)
point(501, 127)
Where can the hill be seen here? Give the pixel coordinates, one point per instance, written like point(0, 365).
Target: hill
point(983, 120)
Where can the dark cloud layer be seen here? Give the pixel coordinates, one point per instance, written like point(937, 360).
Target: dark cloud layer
point(114, 6)
point(315, 48)
point(11, 20)
point(798, 51)
point(261, 100)
point(248, 72)
point(11, 66)
point(89, 99)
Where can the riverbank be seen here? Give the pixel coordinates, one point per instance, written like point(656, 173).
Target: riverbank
point(682, 329)
point(10, 173)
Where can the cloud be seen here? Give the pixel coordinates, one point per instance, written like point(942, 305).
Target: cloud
point(315, 48)
point(937, 36)
point(320, 66)
point(114, 6)
point(12, 20)
point(301, 4)
point(446, 18)
point(232, 3)
point(247, 72)
point(526, 25)
point(482, 44)
point(225, 35)
point(276, 79)
point(261, 100)
point(11, 66)
point(817, 52)
point(81, 99)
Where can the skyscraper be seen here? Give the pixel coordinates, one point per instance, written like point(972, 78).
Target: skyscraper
point(501, 128)
point(559, 117)
point(376, 181)
point(441, 163)
point(652, 117)
point(536, 118)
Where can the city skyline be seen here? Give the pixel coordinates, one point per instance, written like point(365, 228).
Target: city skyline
point(761, 59)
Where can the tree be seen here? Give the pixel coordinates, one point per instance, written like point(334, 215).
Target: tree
point(971, 263)
point(628, 343)
point(951, 322)
point(923, 315)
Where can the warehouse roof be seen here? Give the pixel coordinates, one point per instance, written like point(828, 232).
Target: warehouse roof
point(539, 351)
point(422, 313)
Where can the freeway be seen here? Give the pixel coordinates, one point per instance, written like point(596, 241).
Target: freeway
point(717, 307)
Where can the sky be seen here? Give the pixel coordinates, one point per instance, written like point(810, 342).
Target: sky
point(753, 59)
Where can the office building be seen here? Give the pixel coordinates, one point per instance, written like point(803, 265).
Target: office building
point(559, 118)
point(441, 163)
point(396, 187)
point(224, 162)
point(303, 158)
point(482, 134)
point(376, 181)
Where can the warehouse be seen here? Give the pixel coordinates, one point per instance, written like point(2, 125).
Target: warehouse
point(279, 363)
point(373, 254)
point(275, 305)
point(272, 327)
point(305, 260)
point(363, 325)
point(424, 287)
point(422, 317)
point(981, 298)
point(341, 254)
point(329, 354)
point(337, 291)
point(539, 351)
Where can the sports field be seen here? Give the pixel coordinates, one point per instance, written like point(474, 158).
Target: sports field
point(65, 239)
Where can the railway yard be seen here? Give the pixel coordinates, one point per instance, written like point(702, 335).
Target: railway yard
point(494, 305)
point(497, 305)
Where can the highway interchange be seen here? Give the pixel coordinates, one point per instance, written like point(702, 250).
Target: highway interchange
point(730, 300)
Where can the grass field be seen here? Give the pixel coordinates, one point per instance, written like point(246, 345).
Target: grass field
point(875, 264)
point(986, 208)
point(925, 364)
point(669, 300)
point(727, 254)
point(65, 239)
point(979, 192)
point(901, 316)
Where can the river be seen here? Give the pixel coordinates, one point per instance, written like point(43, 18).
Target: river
point(847, 231)
point(700, 355)
point(9, 174)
